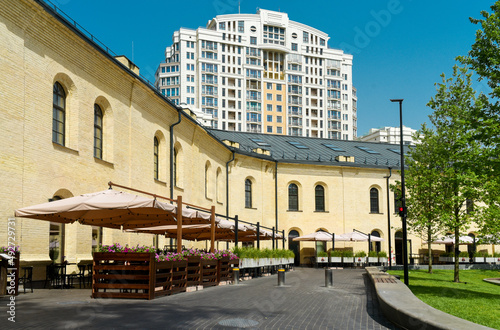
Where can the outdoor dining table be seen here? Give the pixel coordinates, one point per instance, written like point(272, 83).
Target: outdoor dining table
point(60, 271)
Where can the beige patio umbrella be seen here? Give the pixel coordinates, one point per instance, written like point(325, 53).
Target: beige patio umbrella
point(108, 208)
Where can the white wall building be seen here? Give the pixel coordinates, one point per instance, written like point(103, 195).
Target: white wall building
point(262, 73)
point(390, 135)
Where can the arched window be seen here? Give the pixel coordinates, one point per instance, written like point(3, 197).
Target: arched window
point(293, 197)
point(319, 194)
point(58, 114)
point(98, 136)
point(219, 185)
point(176, 153)
point(156, 157)
point(248, 193)
point(207, 179)
point(374, 200)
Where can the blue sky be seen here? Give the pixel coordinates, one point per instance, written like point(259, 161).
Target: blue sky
point(400, 47)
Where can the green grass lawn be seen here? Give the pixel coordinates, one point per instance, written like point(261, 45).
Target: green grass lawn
point(472, 299)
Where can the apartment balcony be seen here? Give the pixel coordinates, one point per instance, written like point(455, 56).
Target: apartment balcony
point(295, 113)
point(253, 120)
point(295, 101)
point(295, 81)
point(209, 47)
point(253, 53)
point(209, 70)
point(210, 82)
point(314, 113)
point(209, 93)
point(295, 124)
point(295, 90)
point(254, 98)
point(253, 86)
point(254, 109)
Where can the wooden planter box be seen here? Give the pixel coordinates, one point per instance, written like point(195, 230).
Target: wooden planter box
point(6, 280)
point(123, 275)
point(179, 276)
point(209, 272)
point(139, 275)
point(225, 268)
point(194, 271)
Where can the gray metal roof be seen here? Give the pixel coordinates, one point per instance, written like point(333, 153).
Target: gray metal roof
point(304, 150)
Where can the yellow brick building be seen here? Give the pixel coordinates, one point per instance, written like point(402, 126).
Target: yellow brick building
point(74, 117)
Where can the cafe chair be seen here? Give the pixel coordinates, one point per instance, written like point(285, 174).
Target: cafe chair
point(27, 277)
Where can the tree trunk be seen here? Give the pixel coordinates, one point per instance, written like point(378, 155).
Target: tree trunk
point(456, 277)
point(429, 251)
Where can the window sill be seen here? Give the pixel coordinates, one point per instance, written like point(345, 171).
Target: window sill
point(250, 208)
point(321, 211)
point(294, 210)
point(375, 213)
point(160, 182)
point(103, 162)
point(60, 147)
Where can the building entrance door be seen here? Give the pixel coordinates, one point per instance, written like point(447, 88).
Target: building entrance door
point(294, 246)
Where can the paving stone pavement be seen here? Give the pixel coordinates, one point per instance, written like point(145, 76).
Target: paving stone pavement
point(303, 303)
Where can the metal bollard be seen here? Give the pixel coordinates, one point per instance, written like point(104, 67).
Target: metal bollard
point(236, 275)
point(281, 277)
point(328, 277)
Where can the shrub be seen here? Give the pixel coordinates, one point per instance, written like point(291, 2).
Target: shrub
point(382, 254)
point(322, 254)
point(347, 253)
point(372, 254)
point(336, 253)
point(360, 254)
point(464, 254)
point(480, 254)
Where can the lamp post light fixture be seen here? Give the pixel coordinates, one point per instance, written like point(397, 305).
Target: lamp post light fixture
point(403, 199)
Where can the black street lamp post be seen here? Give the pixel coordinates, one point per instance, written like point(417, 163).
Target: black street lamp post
point(403, 199)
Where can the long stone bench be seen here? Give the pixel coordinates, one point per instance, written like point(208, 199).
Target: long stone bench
point(402, 308)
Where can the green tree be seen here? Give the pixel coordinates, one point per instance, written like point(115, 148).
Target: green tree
point(422, 183)
point(456, 155)
point(484, 59)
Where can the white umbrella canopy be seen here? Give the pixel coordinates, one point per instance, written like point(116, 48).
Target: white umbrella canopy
point(450, 239)
point(356, 237)
point(320, 236)
point(108, 208)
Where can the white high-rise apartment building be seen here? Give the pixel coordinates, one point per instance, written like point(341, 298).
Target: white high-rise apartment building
point(390, 135)
point(262, 73)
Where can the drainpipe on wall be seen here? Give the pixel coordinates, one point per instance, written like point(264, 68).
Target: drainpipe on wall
point(172, 160)
point(389, 217)
point(172, 154)
point(276, 193)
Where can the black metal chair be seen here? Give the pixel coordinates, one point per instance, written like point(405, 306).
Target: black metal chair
point(27, 277)
point(89, 274)
point(80, 276)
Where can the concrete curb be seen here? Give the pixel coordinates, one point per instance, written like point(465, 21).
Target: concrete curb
point(402, 308)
